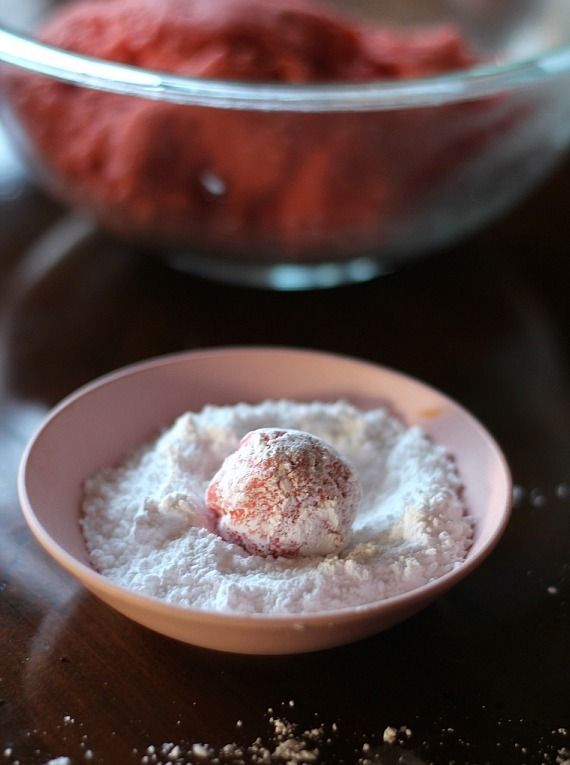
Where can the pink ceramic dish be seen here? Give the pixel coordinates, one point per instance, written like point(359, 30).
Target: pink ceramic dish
point(95, 426)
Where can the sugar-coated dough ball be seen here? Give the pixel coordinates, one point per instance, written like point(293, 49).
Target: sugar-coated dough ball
point(284, 493)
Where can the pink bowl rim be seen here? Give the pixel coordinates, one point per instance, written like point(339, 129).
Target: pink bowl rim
point(98, 583)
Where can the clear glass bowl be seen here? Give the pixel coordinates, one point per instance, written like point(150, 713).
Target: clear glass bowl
point(298, 185)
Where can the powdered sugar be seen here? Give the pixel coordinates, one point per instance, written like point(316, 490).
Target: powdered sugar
point(147, 527)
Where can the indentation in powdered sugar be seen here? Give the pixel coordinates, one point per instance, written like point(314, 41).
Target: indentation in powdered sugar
point(147, 527)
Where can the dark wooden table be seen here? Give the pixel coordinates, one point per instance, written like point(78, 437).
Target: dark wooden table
point(482, 676)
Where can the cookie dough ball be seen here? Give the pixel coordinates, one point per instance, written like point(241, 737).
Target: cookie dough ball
point(284, 493)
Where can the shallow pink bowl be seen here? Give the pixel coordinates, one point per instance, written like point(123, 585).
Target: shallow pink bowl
point(98, 424)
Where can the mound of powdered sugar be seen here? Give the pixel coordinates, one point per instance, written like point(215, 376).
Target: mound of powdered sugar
point(147, 527)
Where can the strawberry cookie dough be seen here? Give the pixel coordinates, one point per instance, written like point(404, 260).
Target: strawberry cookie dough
point(280, 507)
point(284, 492)
point(255, 185)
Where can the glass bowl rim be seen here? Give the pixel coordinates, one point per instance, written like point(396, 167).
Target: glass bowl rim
point(27, 53)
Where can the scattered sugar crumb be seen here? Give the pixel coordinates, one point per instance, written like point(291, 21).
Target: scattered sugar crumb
point(201, 751)
point(390, 735)
point(293, 751)
point(519, 494)
point(537, 498)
